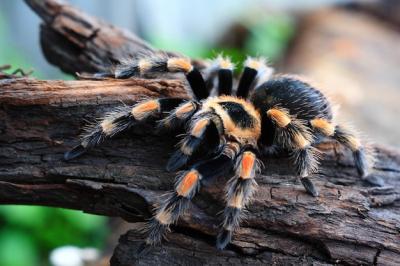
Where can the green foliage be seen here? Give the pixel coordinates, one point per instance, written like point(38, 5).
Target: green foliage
point(34, 231)
point(11, 55)
point(17, 248)
point(270, 37)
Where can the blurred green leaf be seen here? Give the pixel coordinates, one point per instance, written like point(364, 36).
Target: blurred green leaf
point(51, 227)
point(270, 37)
point(24, 216)
point(83, 221)
point(17, 249)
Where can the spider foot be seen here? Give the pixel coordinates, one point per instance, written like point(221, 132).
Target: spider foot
point(75, 152)
point(309, 186)
point(223, 239)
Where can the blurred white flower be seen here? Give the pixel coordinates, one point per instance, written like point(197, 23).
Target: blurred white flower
point(73, 256)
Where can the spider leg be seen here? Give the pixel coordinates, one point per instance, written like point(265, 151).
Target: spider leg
point(254, 70)
point(293, 134)
point(162, 63)
point(239, 192)
point(187, 185)
point(180, 115)
point(120, 120)
point(211, 74)
point(225, 76)
point(362, 158)
point(206, 129)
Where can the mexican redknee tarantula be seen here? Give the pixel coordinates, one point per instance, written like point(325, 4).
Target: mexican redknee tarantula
point(226, 129)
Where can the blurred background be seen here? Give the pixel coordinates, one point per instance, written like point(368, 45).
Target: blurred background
point(349, 48)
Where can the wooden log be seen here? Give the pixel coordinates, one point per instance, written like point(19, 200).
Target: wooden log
point(349, 223)
point(77, 42)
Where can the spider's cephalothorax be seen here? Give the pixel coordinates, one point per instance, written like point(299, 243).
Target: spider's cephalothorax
point(263, 113)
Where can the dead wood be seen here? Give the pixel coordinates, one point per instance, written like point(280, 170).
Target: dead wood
point(349, 223)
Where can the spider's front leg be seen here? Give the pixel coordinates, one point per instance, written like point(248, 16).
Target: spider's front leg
point(125, 117)
point(205, 130)
point(186, 187)
point(239, 192)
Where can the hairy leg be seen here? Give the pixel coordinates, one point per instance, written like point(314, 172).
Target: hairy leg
point(120, 120)
point(239, 192)
point(362, 157)
point(163, 63)
point(255, 70)
point(293, 134)
point(186, 187)
point(205, 132)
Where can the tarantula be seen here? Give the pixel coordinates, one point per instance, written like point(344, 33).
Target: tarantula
point(226, 130)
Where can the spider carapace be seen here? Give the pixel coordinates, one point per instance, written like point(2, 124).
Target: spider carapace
point(227, 130)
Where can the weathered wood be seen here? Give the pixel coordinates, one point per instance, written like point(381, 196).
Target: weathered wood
point(77, 42)
point(349, 223)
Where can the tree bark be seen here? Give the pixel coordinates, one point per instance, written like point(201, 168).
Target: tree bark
point(349, 223)
point(77, 42)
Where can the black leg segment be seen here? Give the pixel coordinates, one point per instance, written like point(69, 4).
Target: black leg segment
point(119, 120)
point(225, 77)
point(204, 136)
point(247, 79)
point(239, 192)
point(187, 186)
point(197, 84)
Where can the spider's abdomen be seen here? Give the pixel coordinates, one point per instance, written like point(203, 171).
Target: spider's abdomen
point(296, 96)
point(239, 118)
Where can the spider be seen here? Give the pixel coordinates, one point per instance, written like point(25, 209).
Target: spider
point(226, 130)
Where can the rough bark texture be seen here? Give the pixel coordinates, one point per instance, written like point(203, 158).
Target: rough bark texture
point(349, 223)
point(77, 42)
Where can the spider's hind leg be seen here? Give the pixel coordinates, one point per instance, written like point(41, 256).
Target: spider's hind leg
point(120, 120)
point(186, 187)
point(362, 157)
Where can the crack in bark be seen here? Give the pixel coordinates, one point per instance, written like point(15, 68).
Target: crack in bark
point(378, 252)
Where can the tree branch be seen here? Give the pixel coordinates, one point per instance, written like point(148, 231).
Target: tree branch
point(40, 120)
point(77, 42)
point(350, 223)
